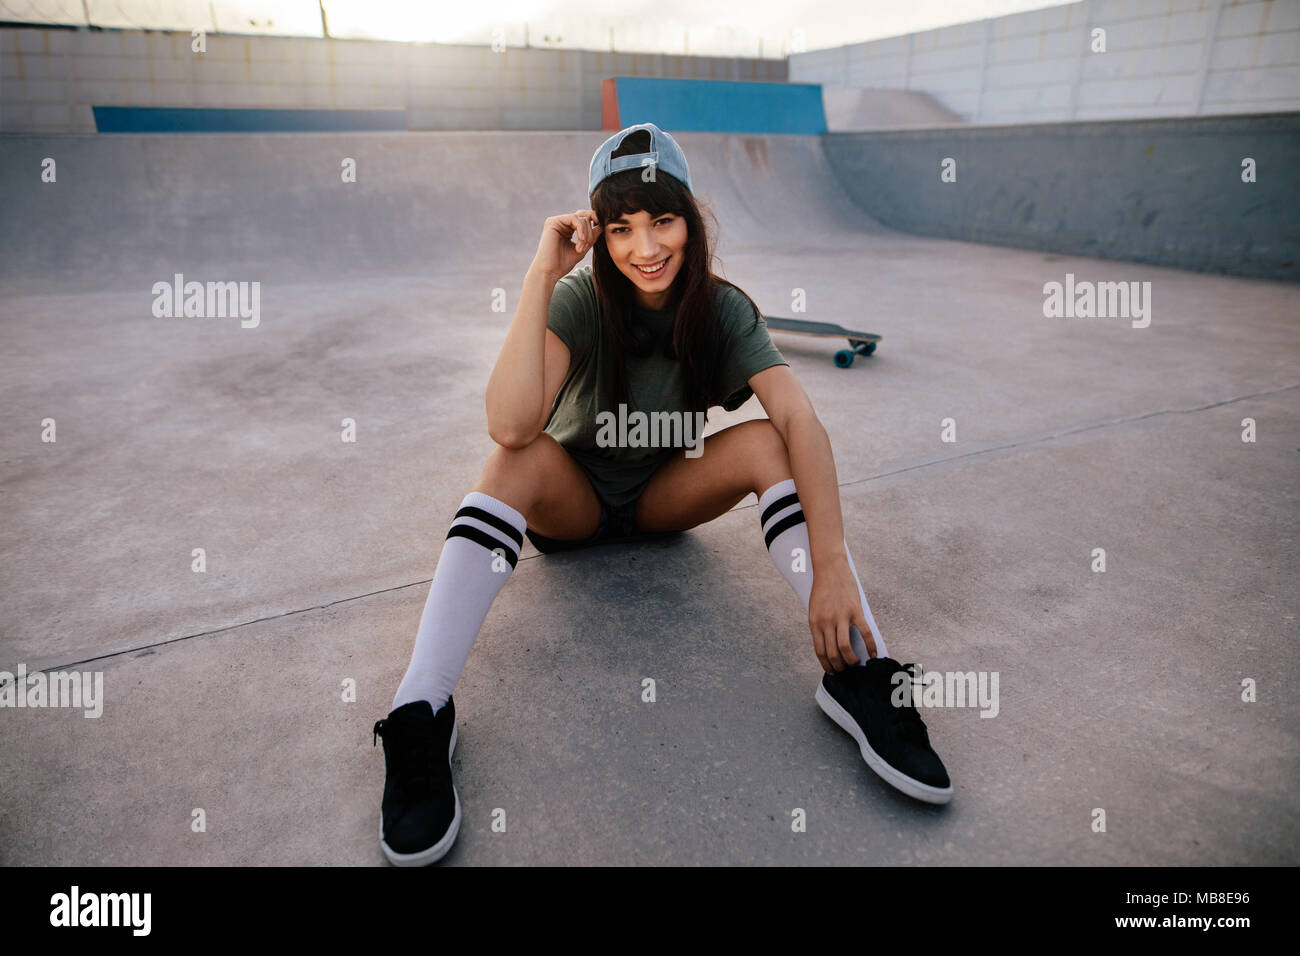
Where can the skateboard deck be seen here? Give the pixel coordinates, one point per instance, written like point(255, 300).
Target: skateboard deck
point(861, 343)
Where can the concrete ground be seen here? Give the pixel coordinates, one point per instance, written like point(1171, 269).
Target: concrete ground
point(224, 691)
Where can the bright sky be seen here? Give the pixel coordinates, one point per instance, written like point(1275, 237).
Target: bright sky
point(769, 28)
point(719, 27)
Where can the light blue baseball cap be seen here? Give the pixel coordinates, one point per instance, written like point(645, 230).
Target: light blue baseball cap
point(664, 154)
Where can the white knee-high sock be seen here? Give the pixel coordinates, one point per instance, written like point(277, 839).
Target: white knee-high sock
point(784, 530)
point(469, 576)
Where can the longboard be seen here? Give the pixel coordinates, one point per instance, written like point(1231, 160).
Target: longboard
point(861, 343)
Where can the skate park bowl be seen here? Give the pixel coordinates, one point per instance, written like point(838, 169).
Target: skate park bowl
point(990, 459)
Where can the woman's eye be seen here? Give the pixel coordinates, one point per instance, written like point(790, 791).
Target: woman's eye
point(618, 229)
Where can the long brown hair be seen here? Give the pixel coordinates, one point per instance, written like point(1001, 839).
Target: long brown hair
point(697, 334)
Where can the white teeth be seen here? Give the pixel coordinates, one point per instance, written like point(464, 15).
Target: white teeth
point(655, 269)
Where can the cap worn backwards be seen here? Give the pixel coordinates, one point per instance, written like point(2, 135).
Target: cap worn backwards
point(664, 154)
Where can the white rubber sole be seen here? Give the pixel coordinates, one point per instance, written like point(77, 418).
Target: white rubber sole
point(436, 852)
point(896, 779)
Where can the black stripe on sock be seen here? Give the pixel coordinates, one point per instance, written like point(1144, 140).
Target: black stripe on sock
point(481, 537)
point(789, 521)
point(501, 524)
point(774, 507)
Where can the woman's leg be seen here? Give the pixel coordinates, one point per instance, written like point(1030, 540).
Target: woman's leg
point(538, 486)
point(744, 458)
point(545, 484)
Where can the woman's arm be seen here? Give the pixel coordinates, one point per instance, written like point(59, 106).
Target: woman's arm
point(517, 385)
point(834, 603)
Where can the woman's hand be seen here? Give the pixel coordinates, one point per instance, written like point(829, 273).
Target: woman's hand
point(834, 605)
point(557, 254)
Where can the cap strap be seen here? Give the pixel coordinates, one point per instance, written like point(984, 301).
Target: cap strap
point(634, 161)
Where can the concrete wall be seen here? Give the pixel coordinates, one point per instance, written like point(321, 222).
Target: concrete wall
point(1166, 191)
point(50, 78)
point(1163, 58)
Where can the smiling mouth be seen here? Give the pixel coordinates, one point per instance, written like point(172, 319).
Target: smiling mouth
point(653, 273)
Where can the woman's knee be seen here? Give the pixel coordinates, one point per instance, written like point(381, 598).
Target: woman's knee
point(767, 451)
point(512, 473)
point(543, 483)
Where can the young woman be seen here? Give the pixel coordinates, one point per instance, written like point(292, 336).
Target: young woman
point(646, 328)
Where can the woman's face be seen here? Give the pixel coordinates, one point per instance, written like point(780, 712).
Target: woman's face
point(637, 240)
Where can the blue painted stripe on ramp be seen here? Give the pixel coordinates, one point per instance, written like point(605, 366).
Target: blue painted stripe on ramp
point(164, 119)
point(721, 106)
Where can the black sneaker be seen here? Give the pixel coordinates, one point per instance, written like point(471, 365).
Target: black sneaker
point(893, 740)
point(420, 814)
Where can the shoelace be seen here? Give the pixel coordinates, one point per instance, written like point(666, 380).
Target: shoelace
point(905, 721)
point(910, 726)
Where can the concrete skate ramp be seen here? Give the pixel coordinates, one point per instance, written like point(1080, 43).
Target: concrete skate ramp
point(850, 109)
point(128, 210)
point(225, 689)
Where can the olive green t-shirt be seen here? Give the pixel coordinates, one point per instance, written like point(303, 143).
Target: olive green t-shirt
point(619, 458)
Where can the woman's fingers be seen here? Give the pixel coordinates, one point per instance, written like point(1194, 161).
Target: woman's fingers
point(837, 634)
point(847, 656)
point(580, 228)
point(819, 648)
point(860, 621)
point(586, 230)
point(834, 643)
